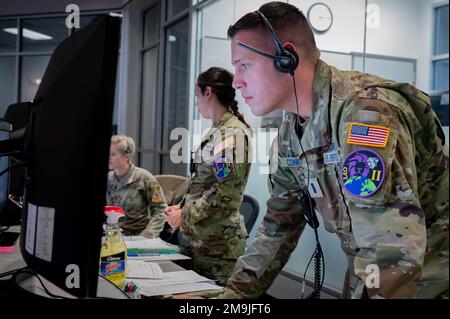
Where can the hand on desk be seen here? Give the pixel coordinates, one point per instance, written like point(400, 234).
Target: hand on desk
point(173, 216)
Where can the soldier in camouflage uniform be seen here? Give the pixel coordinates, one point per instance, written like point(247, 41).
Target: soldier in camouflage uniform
point(214, 232)
point(377, 163)
point(135, 190)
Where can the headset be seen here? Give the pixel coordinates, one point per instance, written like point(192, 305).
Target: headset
point(285, 60)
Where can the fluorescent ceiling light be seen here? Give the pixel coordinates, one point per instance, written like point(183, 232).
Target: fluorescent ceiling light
point(30, 34)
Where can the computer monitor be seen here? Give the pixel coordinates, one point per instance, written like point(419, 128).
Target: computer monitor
point(66, 149)
point(5, 131)
point(17, 116)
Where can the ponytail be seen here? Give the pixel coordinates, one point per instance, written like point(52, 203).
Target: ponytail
point(235, 110)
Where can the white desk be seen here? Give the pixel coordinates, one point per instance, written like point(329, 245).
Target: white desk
point(13, 260)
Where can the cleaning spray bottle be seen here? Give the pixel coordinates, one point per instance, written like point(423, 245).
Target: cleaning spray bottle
point(113, 254)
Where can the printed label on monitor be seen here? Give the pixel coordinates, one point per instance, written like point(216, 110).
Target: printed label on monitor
point(44, 233)
point(31, 228)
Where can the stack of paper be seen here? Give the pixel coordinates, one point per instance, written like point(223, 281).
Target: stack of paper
point(143, 269)
point(141, 246)
point(175, 282)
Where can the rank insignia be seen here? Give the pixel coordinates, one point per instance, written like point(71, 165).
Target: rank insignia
point(362, 172)
point(368, 135)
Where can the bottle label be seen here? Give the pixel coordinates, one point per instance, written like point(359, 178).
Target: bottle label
point(113, 267)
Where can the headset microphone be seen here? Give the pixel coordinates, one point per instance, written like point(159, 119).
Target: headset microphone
point(283, 60)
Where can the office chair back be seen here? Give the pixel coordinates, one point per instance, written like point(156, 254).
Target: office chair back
point(174, 188)
point(249, 210)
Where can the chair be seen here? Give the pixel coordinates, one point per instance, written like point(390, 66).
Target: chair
point(174, 187)
point(249, 210)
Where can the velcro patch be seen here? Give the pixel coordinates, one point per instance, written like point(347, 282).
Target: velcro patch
point(362, 172)
point(157, 195)
point(368, 135)
point(222, 170)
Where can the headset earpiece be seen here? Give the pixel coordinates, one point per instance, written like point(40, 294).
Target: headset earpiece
point(287, 61)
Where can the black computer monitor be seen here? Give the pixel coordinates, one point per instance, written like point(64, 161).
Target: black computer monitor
point(5, 131)
point(17, 116)
point(66, 150)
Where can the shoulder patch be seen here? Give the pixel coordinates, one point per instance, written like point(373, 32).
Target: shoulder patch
point(157, 195)
point(362, 172)
point(368, 135)
point(222, 169)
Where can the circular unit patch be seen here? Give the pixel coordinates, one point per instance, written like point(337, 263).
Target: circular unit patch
point(362, 172)
point(222, 170)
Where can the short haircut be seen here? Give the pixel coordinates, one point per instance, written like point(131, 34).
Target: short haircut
point(125, 145)
point(288, 22)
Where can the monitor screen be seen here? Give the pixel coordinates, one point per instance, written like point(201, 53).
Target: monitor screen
point(66, 147)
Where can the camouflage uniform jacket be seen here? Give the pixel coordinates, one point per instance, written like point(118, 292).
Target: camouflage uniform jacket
point(214, 232)
point(140, 195)
point(378, 173)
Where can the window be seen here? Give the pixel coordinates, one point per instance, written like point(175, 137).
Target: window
point(176, 97)
point(148, 143)
point(440, 49)
point(8, 38)
point(26, 44)
point(176, 6)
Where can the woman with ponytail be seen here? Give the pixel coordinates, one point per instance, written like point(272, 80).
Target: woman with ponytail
point(213, 230)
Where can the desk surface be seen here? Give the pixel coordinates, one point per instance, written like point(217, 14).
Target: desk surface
point(13, 260)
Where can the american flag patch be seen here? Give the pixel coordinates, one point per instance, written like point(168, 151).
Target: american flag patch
point(368, 135)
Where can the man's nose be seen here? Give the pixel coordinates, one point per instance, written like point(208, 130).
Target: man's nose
point(237, 83)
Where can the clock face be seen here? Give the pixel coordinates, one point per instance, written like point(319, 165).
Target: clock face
point(320, 17)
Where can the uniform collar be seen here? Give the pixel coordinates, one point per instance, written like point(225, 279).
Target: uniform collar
point(317, 132)
point(225, 117)
point(126, 179)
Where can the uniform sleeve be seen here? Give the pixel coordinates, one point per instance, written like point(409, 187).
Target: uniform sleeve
point(224, 192)
point(157, 204)
point(379, 179)
point(275, 239)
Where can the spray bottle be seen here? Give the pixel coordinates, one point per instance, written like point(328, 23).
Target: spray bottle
point(113, 253)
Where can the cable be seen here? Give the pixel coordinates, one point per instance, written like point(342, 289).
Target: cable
point(311, 219)
point(11, 272)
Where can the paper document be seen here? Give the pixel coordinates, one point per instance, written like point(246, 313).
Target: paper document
point(143, 269)
point(175, 282)
point(177, 289)
point(142, 246)
point(159, 257)
point(173, 277)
